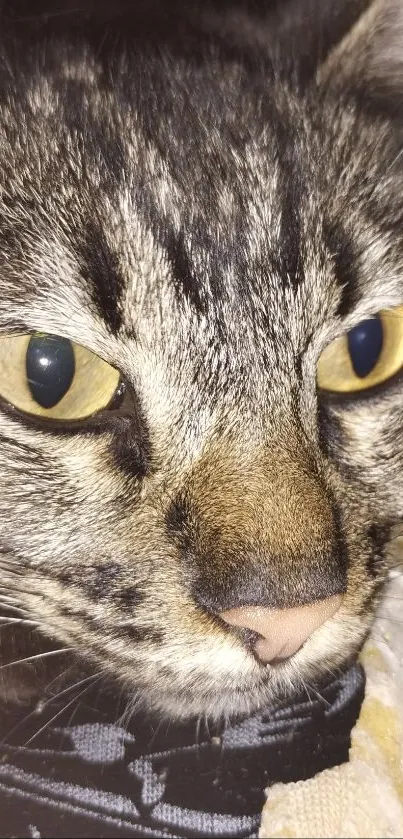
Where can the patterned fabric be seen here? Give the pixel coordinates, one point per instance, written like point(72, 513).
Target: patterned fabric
point(364, 797)
point(83, 774)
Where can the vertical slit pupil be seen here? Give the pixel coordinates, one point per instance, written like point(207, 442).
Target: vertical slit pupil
point(365, 343)
point(50, 368)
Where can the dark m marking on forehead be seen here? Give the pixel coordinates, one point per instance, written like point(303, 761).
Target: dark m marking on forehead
point(345, 258)
point(100, 269)
point(289, 246)
point(187, 285)
point(287, 259)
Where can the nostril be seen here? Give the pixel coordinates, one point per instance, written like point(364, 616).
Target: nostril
point(248, 637)
point(282, 632)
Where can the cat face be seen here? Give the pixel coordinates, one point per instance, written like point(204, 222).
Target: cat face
point(207, 235)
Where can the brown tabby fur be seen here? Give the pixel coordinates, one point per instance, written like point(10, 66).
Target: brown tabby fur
point(206, 207)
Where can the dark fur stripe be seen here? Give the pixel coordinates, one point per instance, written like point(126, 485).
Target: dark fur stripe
point(129, 597)
point(181, 268)
point(141, 633)
point(290, 228)
point(100, 268)
point(379, 535)
point(186, 283)
point(344, 257)
point(286, 259)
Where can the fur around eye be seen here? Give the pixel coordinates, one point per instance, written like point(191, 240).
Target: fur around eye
point(51, 377)
point(367, 356)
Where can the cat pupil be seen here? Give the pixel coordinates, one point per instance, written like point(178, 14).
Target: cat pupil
point(365, 345)
point(50, 368)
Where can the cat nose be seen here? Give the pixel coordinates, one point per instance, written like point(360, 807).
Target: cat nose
point(282, 631)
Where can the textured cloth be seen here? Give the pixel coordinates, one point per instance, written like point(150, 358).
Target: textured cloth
point(84, 775)
point(364, 797)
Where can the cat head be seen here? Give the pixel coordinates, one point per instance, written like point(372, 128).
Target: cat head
point(189, 241)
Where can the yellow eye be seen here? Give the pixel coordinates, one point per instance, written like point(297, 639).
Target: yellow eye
point(367, 356)
point(51, 377)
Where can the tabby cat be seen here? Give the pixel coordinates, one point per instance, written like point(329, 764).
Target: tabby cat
point(201, 351)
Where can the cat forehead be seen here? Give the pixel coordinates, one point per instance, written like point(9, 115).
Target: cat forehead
point(170, 205)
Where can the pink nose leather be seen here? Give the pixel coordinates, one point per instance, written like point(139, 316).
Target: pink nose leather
point(283, 631)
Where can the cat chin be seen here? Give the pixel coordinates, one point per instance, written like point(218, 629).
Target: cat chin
point(251, 687)
point(225, 705)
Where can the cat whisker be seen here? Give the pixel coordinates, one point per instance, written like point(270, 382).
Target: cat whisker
point(10, 574)
point(197, 732)
point(58, 714)
point(83, 681)
point(36, 657)
point(7, 590)
point(6, 559)
point(50, 15)
point(12, 589)
point(305, 687)
point(57, 677)
point(43, 705)
point(14, 609)
point(4, 621)
point(157, 730)
point(389, 618)
point(8, 598)
point(125, 715)
point(10, 602)
point(394, 161)
point(331, 672)
point(389, 597)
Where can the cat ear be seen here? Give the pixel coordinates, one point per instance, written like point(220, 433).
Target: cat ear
point(370, 57)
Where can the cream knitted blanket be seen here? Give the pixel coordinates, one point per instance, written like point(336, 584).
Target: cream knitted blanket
point(364, 797)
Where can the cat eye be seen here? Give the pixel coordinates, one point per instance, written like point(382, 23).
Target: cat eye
point(50, 377)
point(366, 356)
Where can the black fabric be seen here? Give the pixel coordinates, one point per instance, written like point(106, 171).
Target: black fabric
point(85, 775)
